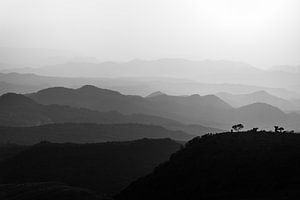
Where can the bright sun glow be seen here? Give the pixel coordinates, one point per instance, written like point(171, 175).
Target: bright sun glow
point(243, 16)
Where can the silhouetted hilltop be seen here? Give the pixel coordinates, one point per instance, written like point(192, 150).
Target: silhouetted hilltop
point(103, 167)
point(86, 133)
point(245, 165)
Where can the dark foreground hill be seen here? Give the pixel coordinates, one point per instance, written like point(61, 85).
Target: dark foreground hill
point(248, 165)
point(46, 191)
point(86, 133)
point(9, 150)
point(102, 167)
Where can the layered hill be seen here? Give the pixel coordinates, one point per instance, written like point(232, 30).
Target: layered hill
point(222, 71)
point(86, 133)
point(18, 110)
point(102, 167)
point(207, 110)
point(27, 83)
point(187, 109)
point(238, 100)
point(245, 165)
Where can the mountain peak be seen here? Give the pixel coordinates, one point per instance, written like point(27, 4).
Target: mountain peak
point(155, 94)
point(93, 89)
point(88, 87)
point(261, 93)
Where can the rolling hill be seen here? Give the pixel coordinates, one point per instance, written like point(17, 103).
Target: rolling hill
point(194, 109)
point(208, 110)
point(105, 168)
point(18, 110)
point(86, 133)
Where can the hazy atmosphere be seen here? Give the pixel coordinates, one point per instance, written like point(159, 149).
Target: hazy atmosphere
point(149, 99)
point(262, 33)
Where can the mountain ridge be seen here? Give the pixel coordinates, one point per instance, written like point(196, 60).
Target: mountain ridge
point(208, 110)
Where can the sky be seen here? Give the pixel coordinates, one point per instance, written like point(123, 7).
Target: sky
point(260, 32)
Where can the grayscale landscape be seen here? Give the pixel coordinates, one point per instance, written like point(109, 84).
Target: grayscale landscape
point(125, 100)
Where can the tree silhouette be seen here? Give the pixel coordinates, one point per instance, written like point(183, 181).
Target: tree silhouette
point(238, 127)
point(276, 129)
point(254, 129)
point(280, 129)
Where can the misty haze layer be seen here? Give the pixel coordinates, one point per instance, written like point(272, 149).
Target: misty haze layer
point(263, 33)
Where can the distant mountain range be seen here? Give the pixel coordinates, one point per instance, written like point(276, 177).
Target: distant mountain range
point(25, 83)
point(206, 110)
point(23, 58)
point(245, 165)
point(208, 71)
point(238, 100)
point(105, 168)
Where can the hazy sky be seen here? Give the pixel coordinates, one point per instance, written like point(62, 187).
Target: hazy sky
point(260, 32)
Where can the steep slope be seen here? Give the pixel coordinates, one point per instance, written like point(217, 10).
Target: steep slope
point(246, 165)
point(103, 167)
point(86, 133)
point(239, 100)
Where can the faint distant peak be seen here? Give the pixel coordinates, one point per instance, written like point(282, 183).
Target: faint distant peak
point(95, 90)
point(261, 92)
point(195, 96)
point(262, 107)
point(88, 87)
point(155, 94)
